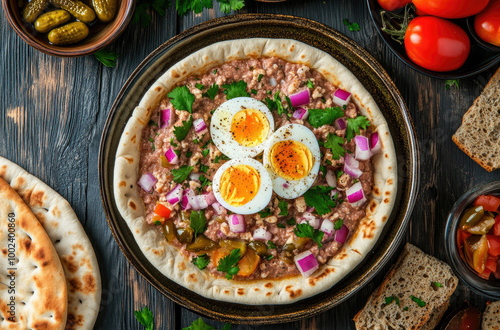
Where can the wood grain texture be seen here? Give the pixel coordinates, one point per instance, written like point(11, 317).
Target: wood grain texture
point(53, 110)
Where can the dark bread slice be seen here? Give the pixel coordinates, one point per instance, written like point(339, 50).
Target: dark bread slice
point(412, 275)
point(491, 317)
point(479, 134)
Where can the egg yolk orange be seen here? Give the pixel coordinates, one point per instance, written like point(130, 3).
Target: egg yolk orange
point(239, 184)
point(291, 160)
point(249, 127)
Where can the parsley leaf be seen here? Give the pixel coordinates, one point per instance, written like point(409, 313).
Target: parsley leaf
point(160, 6)
point(291, 222)
point(145, 317)
point(227, 5)
point(338, 224)
point(335, 143)
point(236, 89)
point(205, 152)
point(419, 302)
point(437, 284)
point(229, 264)
point(203, 168)
point(283, 205)
point(306, 230)
point(390, 299)
point(227, 326)
point(182, 173)
point(204, 182)
point(211, 91)
point(351, 26)
point(183, 6)
point(260, 77)
point(450, 82)
point(199, 86)
point(201, 261)
point(180, 132)
point(182, 98)
point(353, 126)
point(198, 222)
point(106, 57)
point(141, 15)
point(309, 84)
point(319, 198)
point(199, 324)
point(271, 244)
point(319, 117)
point(275, 104)
point(265, 212)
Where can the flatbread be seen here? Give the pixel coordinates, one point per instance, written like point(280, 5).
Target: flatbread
point(33, 291)
point(177, 267)
point(70, 241)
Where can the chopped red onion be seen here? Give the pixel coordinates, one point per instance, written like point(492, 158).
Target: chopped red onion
point(210, 198)
point(219, 209)
point(147, 182)
point(199, 125)
point(355, 194)
point(301, 114)
point(306, 263)
point(311, 209)
point(194, 176)
point(311, 220)
point(262, 234)
point(341, 97)
point(300, 98)
point(172, 156)
point(175, 195)
point(185, 199)
point(285, 185)
point(331, 178)
point(341, 234)
point(327, 227)
point(351, 166)
point(375, 145)
point(340, 124)
point(236, 223)
point(198, 202)
point(166, 117)
point(362, 148)
point(272, 82)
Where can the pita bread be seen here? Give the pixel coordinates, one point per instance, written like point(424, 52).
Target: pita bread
point(70, 241)
point(176, 266)
point(33, 291)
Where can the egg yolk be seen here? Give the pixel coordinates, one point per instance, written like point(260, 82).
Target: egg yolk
point(239, 184)
point(291, 160)
point(249, 127)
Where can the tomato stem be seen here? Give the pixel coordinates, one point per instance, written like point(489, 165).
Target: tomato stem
point(395, 25)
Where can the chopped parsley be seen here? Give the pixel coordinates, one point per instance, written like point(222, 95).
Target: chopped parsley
point(319, 198)
point(275, 104)
point(280, 225)
point(354, 125)
point(157, 223)
point(215, 71)
point(204, 182)
point(322, 168)
point(405, 308)
point(283, 205)
point(201, 261)
point(437, 284)
point(253, 91)
point(189, 153)
point(205, 152)
point(269, 257)
point(182, 173)
point(181, 132)
point(203, 168)
point(339, 173)
point(172, 142)
point(145, 317)
point(291, 222)
point(306, 230)
point(265, 212)
point(260, 77)
point(199, 86)
point(229, 264)
point(290, 107)
point(335, 143)
point(198, 222)
point(107, 57)
point(152, 123)
point(338, 224)
point(271, 245)
point(211, 91)
point(182, 98)
point(389, 300)
point(309, 83)
point(223, 157)
point(449, 83)
point(153, 144)
point(236, 89)
point(419, 302)
point(320, 117)
point(353, 27)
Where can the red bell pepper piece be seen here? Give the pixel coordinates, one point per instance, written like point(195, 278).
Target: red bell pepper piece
point(494, 245)
point(488, 202)
point(162, 210)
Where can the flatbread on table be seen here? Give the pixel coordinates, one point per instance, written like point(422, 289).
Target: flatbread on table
point(176, 266)
point(33, 291)
point(70, 241)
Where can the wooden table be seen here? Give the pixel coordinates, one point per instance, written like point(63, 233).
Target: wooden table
point(53, 112)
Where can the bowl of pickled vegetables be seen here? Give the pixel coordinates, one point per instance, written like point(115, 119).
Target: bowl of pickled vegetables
point(68, 27)
point(473, 239)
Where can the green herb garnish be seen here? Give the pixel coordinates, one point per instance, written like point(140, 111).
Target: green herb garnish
point(306, 230)
point(419, 302)
point(229, 264)
point(338, 224)
point(106, 57)
point(353, 27)
point(182, 98)
point(211, 91)
point(451, 82)
point(280, 225)
point(260, 77)
point(309, 83)
point(145, 317)
point(201, 261)
point(291, 222)
point(354, 125)
point(182, 173)
point(283, 205)
point(319, 117)
point(319, 198)
point(236, 89)
point(271, 245)
point(198, 222)
point(199, 86)
point(265, 212)
point(181, 132)
point(335, 144)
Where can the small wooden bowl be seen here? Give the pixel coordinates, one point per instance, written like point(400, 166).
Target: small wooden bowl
point(91, 44)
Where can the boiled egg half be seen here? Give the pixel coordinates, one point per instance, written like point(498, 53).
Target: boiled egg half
point(292, 157)
point(241, 126)
point(242, 186)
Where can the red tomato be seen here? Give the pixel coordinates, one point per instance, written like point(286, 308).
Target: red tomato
point(391, 5)
point(436, 44)
point(491, 264)
point(162, 210)
point(461, 237)
point(451, 8)
point(494, 245)
point(487, 23)
point(485, 274)
point(488, 202)
point(496, 227)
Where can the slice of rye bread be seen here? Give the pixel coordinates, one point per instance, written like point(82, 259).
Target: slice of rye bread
point(491, 317)
point(479, 134)
point(414, 274)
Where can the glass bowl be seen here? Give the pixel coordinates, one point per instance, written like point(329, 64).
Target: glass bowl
point(488, 288)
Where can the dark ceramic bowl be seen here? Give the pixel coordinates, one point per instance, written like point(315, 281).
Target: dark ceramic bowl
point(479, 59)
point(366, 69)
point(100, 35)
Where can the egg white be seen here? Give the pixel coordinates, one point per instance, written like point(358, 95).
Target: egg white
point(220, 127)
point(263, 195)
point(293, 188)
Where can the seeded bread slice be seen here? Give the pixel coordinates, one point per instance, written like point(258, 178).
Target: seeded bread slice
point(479, 135)
point(414, 274)
point(491, 317)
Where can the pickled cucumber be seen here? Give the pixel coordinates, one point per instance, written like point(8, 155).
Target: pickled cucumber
point(34, 9)
point(69, 34)
point(78, 9)
point(105, 9)
point(51, 20)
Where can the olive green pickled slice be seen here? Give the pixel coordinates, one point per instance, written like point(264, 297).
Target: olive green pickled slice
point(202, 243)
point(185, 215)
point(471, 217)
point(105, 9)
point(69, 34)
point(287, 257)
point(185, 235)
point(300, 242)
point(260, 248)
point(289, 247)
point(480, 255)
point(164, 162)
point(34, 9)
point(483, 226)
point(78, 9)
point(51, 20)
point(234, 244)
point(169, 231)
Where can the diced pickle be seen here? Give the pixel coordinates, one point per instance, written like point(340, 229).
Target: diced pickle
point(202, 243)
point(483, 226)
point(164, 162)
point(169, 231)
point(289, 247)
point(185, 235)
point(471, 217)
point(219, 219)
point(476, 252)
point(287, 257)
point(301, 242)
point(260, 248)
point(234, 244)
point(185, 215)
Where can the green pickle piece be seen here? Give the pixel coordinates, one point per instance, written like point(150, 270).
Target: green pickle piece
point(234, 244)
point(471, 217)
point(169, 231)
point(483, 226)
point(202, 243)
point(51, 20)
point(69, 34)
point(34, 9)
point(260, 248)
point(185, 235)
point(78, 9)
point(105, 9)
